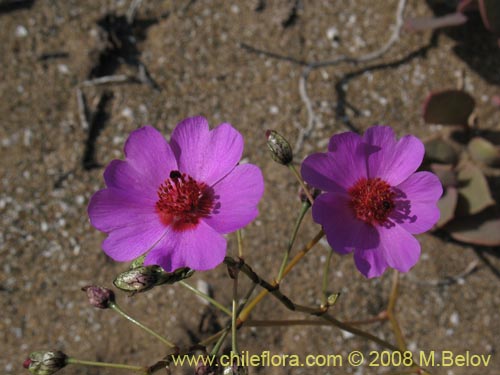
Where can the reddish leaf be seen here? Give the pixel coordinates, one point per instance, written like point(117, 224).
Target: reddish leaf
point(448, 107)
point(447, 205)
point(482, 229)
point(467, 6)
point(490, 13)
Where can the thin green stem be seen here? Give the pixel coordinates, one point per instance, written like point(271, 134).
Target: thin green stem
point(298, 222)
point(291, 322)
point(391, 311)
point(74, 361)
point(212, 338)
point(116, 308)
point(206, 297)
point(301, 182)
point(220, 341)
point(302, 253)
point(324, 284)
point(234, 338)
point(239, 239)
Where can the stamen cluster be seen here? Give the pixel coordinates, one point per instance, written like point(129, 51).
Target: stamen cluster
point(182, 201)
point(372, 200)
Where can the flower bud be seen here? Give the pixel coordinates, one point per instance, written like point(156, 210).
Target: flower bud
point(98, 296)
point(281, 151)
point(143, 278)
point(45, 363)
point(139, 279)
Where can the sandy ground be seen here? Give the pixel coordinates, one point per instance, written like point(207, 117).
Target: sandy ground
point(199, 57)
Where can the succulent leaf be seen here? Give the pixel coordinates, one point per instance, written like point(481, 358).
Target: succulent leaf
point(483, 151)
point(448, 107)
point(474, 192)
point(447, 205)
point(441, 151)
point(482, 229)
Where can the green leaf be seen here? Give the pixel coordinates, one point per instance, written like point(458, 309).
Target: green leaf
point(448, 107)
point(474, 192)
point(483, 151)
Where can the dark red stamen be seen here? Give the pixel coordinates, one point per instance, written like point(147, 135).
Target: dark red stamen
point(372, 200)
point(183, 201)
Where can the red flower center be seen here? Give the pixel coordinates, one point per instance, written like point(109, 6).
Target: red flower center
point(183, 201)
point(372, 200)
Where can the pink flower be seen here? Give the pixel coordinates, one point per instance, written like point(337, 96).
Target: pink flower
point(373, 201)
point(174, 200)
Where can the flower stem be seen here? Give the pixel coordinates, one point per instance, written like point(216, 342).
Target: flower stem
point(212, 338)
point(303, 210)
point(234, 341)
point(391, 313)
point(220, 341)
point(301, 182)
point(291, 322)
point(74, 361)
point(205, 297)
point(251, 305)
point(324, 284)
point(239, 239)
point(116, 308)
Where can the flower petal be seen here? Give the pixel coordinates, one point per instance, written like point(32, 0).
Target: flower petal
point(400, 248)
point(416, 209)
point(112, 208)
point(237, 197)
point(337, 171)
point(344, 231)
point(205, 155)
point(344, 141)
point(201, 248)
point(149, 160)
point(370, 262)
point(120, 174)
point(395, 161)
point(128, 242)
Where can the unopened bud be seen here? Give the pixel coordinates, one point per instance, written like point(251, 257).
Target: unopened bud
point(139, 279)
point(45, 363)
point(99, 296)
point(143, 278)
point(281, 151)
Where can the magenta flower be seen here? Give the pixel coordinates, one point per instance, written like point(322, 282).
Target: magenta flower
point(373, 201)
point(174, 200)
